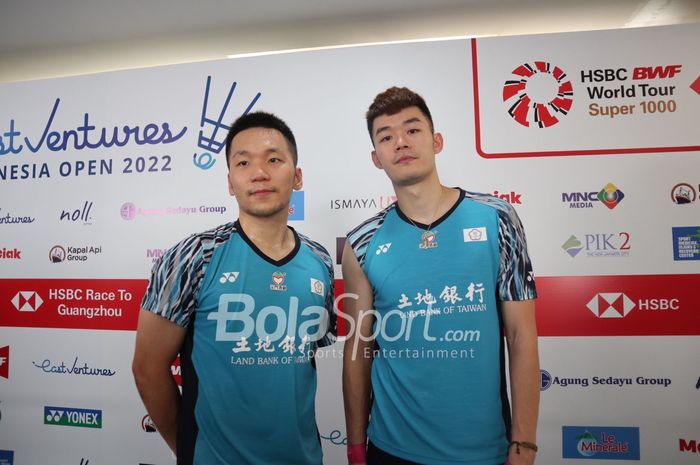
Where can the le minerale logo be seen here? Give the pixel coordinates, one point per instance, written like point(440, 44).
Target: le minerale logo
point(66, 416)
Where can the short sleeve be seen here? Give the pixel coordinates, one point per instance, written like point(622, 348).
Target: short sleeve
point(516, 279)
point(173, 287)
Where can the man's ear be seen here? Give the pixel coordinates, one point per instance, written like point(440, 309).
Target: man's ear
point(375, 160)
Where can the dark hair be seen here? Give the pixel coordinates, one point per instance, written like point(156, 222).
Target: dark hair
point(392, 101)
point(260, 119)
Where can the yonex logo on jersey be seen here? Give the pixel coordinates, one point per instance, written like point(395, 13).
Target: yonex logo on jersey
point(229, 277)
point(317, 287)
point(384, 248)
point(278, 281)
point(475, 234)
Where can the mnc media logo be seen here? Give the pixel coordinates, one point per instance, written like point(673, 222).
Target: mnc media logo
point(537, 93)
point(66, 416)
point(600, 442)
point(609, 195)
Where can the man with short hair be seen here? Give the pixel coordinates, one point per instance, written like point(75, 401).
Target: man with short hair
point(245, 305)
point(437, 278)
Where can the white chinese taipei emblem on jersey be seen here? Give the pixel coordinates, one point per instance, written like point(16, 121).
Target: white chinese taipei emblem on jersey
point(229, 277)
point(317, 287)
point(475, 234)
point(278, 281)
point(384, 248)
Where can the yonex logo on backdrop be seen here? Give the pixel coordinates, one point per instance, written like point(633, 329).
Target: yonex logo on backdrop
point(66, 416)
point(537, 94)
point(383, 248)
point(229, 277)
point(27, 301)
point(475, 234)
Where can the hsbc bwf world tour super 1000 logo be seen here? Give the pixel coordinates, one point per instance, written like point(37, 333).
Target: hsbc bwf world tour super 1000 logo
point(537, 93)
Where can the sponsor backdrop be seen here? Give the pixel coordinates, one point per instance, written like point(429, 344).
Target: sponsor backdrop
point(593, 137)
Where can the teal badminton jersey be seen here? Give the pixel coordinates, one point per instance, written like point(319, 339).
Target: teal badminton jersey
point(437, 374)
point(248, 372)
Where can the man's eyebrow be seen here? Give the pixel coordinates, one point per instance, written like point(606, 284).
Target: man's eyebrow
point(415, 119)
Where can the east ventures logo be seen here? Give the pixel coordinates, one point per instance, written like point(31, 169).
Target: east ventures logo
point(609, 195)
point(12, 219)
point(538, 94)
point(66, 416)
point(600, 443)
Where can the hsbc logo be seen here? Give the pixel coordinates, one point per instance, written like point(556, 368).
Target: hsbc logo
point(610, 305)
point(5, 362)
point(618, 305)
point(27, 301)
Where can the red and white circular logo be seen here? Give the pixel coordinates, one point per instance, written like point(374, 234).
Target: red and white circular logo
point(537, 94)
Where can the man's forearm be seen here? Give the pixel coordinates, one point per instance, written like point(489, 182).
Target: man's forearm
point(525, 387)
point(161, 397)
point(356, 391)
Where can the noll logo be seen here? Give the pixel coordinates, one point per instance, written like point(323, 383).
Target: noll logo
point(536, 93)
point(65, 416)
point(610, 305)
point(27, 301)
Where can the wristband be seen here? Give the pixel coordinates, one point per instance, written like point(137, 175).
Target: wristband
point(525, 444)
point(357, 453)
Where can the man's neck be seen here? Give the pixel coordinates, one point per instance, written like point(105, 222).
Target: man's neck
point(269, 234)
point(426, 201)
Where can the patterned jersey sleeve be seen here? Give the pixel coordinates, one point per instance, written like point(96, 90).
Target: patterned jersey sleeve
point(516, 280)
point(175, 277)
point(360, 237)
point(321, 252)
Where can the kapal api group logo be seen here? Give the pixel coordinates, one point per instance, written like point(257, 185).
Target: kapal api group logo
point(538, 94)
